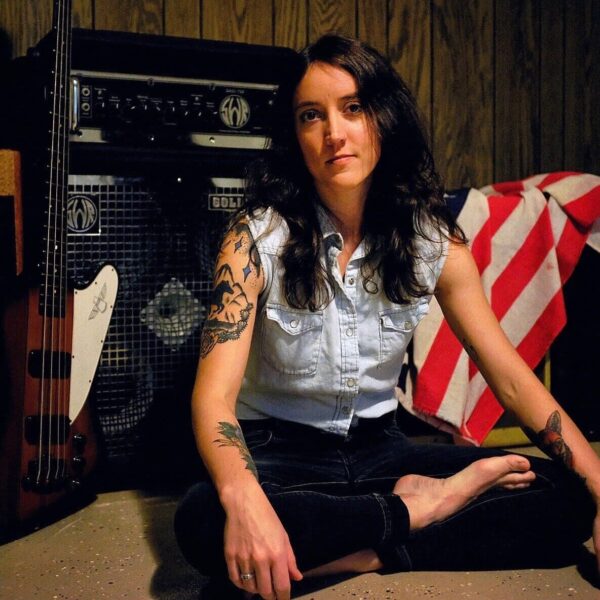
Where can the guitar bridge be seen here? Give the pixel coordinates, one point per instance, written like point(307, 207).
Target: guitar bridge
point(46, 475)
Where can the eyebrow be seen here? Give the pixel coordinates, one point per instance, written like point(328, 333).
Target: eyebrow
point(315, 103)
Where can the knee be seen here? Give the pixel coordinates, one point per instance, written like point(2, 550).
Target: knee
point(198, 523)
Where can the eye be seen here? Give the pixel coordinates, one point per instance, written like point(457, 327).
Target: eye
point(354, 108)
point(309, 115)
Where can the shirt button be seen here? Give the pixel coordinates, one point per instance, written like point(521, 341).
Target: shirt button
point(351, 281)
point(407, 325)
point(294, 323)
point(349, 332)
point(346, 410)
point(351, 382)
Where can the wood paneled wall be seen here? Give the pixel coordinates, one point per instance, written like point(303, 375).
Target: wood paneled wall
point(508, 88)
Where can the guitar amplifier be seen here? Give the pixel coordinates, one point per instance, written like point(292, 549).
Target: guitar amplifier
point(160, 132)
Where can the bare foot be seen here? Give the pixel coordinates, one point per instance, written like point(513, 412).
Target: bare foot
point(429, 499)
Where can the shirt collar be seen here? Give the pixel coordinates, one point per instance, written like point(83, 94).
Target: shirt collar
point(331, 236)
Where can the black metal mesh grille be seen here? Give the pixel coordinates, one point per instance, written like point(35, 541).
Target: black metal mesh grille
point(162, 238)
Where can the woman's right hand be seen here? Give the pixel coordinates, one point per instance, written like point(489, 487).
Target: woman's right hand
point(256, 542)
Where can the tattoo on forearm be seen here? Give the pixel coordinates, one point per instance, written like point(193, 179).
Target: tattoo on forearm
point(470, 349)
point(551, 441)
point(233, 436)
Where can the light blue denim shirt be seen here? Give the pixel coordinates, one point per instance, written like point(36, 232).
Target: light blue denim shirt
point(327, 367)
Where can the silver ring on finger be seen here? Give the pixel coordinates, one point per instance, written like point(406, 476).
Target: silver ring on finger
point(247, 576)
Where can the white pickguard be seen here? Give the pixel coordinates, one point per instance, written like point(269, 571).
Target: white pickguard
point(92, 311)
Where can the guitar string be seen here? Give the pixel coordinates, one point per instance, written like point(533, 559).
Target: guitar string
point(62, 436)
point(61, 239)
point(64, 380)
point(50, 233)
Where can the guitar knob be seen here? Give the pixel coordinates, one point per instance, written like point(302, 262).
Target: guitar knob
point(74, 484)
point(79, 442)
point(78, 463)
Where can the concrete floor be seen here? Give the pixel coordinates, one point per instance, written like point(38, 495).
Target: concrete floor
point(122, 546)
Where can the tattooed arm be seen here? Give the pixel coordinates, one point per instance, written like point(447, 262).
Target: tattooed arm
point(255, 540)
point(468, 313)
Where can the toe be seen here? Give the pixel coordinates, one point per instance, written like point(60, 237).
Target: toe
point(518, 463)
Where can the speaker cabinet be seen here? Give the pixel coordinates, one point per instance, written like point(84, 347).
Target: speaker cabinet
point(162, 234)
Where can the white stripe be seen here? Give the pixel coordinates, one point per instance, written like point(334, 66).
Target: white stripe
point(572, 188)
point(452, 407)
point(534, 181)
point(512, 233)
point(558, 219)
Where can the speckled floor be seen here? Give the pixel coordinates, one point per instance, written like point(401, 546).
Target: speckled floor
point(121, 546)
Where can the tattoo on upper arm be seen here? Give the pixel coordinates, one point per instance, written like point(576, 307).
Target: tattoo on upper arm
point(233, 436)
point(245, 243)
point(229, 306)
point(551, 441)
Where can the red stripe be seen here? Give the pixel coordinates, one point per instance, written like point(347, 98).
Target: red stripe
point(436, 372)
point(501, 208)
point(554, 177)
point(568, 250)
point(484, 416)
point(509, 187)
point(544, 331)
point(481, 248)
point(585, 209)
point(523, 266)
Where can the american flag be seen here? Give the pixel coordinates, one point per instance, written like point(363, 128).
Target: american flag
point(526, 237)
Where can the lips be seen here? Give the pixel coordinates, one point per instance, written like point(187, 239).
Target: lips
point(340, 159)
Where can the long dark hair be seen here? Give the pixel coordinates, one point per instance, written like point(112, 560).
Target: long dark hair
point(405, 199)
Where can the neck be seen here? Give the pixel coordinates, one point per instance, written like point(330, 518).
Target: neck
point(346, 210)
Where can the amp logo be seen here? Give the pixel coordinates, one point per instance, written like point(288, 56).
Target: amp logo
point(234, 111)
point(225, 201)
point(83, 215)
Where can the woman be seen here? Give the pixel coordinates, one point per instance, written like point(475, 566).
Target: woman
point(318, 288)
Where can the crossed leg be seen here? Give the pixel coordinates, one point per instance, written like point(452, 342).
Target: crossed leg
point(430, 499)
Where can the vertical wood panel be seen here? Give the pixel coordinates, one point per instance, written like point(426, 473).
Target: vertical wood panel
point(582, 86)
point(182, 18)
point(139, 16)
point(517, 119)
point(238, 20)
point(372, 23)
point(463, 91)
point(83, 14)
point(552, 75)
point(25, 23)
point(291, 23)
point(409, 48)
point(331, 15)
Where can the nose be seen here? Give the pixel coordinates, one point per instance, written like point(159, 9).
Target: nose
point(335, 134)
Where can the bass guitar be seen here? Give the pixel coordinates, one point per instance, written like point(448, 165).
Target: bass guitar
point(53, 336)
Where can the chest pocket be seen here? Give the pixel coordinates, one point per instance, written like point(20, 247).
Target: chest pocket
point(396, 327)
point(291, 339)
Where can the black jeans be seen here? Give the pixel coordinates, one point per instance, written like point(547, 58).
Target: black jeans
point(333, 496)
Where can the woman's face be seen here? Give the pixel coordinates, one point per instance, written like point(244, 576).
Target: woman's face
point(339, 146)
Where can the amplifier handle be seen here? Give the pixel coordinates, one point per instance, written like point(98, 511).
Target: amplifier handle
point(75, 98)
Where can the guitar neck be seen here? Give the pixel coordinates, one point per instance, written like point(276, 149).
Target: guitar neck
point(53, 266)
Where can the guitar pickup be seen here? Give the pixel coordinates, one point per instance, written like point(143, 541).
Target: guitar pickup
point(47, 429)
point(49, 364)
